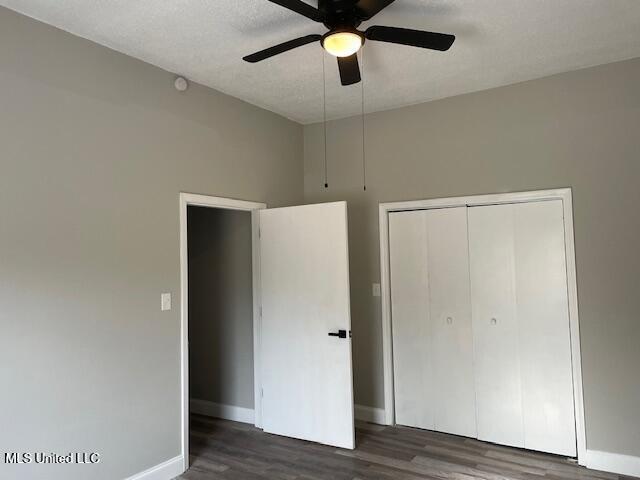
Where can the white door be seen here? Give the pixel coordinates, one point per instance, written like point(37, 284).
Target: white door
point(495, 325)
point(521, 326)
point(412, 359)
point(431, 320)
point(450, 313)
point(306, 346)
point(543, 320)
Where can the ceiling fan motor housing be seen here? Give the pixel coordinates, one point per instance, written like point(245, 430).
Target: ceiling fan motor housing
point(340, 14)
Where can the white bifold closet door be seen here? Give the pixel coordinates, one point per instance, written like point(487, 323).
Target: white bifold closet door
point(432, 337)
point(523, 374)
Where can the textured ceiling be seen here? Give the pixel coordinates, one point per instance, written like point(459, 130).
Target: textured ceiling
point(499, 42)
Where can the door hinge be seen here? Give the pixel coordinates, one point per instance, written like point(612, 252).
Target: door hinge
point(260, 311)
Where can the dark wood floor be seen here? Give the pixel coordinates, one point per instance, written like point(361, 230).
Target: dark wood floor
point(221, 449)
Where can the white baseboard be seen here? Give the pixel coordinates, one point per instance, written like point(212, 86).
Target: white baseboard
point(370, 414)
point(218, 410)
point(613, 462)
point(246, 415)
point(164, 471)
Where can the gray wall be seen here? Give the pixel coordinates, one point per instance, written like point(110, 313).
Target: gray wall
point(220, 306)
point(94, 149)
point(580, 129)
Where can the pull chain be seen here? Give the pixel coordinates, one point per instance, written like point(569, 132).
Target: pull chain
point(324, 119)
point(364, 164)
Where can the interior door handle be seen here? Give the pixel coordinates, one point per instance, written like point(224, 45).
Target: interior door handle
point(340, 334)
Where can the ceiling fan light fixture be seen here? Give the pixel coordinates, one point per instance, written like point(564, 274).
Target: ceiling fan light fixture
point(342, 43)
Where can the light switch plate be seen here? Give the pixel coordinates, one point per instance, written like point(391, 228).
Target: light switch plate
point(165, 301)
point(376, 289)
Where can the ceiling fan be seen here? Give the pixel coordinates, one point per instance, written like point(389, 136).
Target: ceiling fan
point(343, 40)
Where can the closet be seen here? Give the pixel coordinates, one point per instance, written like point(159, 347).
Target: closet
point(480, 323)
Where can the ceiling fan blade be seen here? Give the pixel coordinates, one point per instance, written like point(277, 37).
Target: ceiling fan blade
point(349, 69)
point(281, 48)
point(414, 38)
point(368, 8)
point(301, 8)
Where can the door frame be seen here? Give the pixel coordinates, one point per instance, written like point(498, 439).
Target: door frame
point(192, 199)
point(563, 194)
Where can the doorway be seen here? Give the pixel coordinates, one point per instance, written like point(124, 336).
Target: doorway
point(238, 218)
point(220, 313)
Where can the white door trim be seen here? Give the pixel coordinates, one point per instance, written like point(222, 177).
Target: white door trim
point(187, 199)
point(563, 194)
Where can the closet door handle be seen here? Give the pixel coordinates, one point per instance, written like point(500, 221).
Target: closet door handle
point(449, 320)
point(493, 321)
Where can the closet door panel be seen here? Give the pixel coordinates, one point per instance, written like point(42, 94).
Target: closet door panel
point(543, 317)
point(495, 325)
point(450, 311)
point(413, 378)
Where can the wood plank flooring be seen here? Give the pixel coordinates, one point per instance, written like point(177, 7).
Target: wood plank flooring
point(221, 449)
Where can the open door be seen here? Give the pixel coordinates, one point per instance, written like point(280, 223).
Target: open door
point(307, 379)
